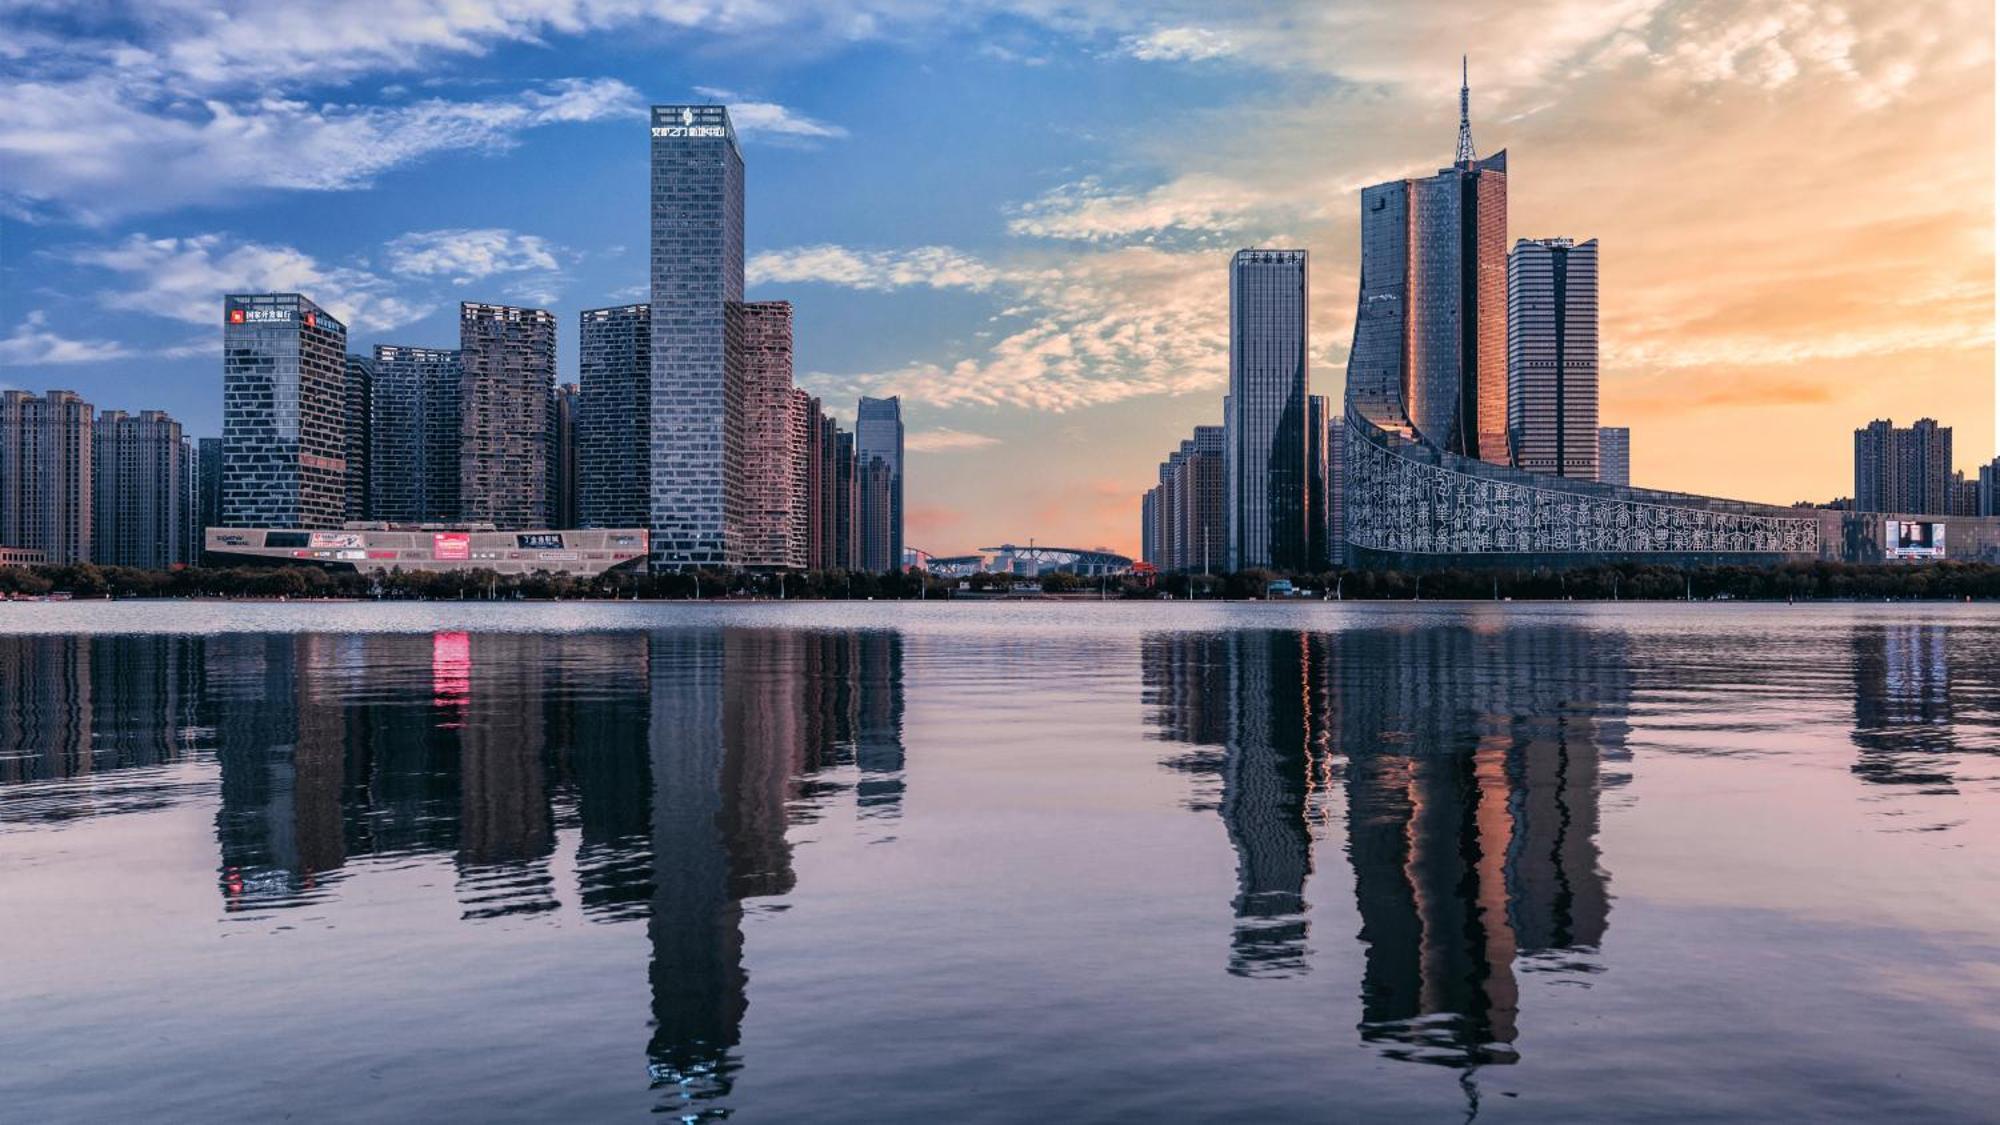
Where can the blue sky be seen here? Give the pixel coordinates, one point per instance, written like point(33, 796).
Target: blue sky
point(1017, 214)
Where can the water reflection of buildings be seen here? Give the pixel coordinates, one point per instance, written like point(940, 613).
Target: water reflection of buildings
point(1911, 679)
point(678, 760)
point(1471, 763)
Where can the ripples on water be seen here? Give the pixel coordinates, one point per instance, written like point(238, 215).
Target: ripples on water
point(1438, 782)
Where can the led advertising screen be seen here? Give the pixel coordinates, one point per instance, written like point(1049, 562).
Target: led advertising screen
point(346, 540)
point(540, 541)
point(451, 545)
point(1913, 539)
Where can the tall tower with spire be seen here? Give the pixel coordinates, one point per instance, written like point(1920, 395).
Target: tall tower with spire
point(1430, 337)
point(1465, 154)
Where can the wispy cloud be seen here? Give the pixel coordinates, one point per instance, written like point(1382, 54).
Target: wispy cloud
point(937, 267)
point(95, 148)
point(469, 255)
point(943, 439)
point(185, 279)
point(1179, 44)
point(34, 344)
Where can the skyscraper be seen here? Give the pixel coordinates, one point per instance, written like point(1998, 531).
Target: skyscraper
point(284, 413)
point(509, 358)
point(696, 270)
point(1335, 508)
point(845, 474)
point(1614, 455)
point(1190, 522)
point(1989, 488)
point(1265, 414)
point(1318, 464)
point(209, 489)
point(47, 492)
point(563, 458)
point(831, 481)
point(614, 417)
point(140, 480)
point(360, 401)
point(1430, 340)
point(1552, 356)
point(878, 451)
point(760, 352)
point(1903, 470)
point(413, 456)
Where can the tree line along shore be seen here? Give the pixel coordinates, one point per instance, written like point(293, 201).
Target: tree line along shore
point(1818, 581)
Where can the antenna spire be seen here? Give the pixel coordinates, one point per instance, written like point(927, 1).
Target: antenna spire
point(1465, 153)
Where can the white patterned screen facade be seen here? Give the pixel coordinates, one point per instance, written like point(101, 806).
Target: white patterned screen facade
point(1408, 505)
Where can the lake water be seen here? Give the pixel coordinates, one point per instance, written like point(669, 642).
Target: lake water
point(1026, 862)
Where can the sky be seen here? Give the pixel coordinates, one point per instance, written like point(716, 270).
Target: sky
point(1017, 214)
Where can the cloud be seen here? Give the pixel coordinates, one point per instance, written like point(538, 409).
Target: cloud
point(1089, 329)
point(945, 440)
point(33, 344)
point(468, 255)
point(937, 267)
point(97, 148)
point(185, 279)
point(1198, 203)
point(1179, 44)
point(771, 119)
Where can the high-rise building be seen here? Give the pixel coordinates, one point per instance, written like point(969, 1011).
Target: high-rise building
point(878, 450)
point(140, 473)
point(413, 454)
point(563, 458)
point(1149, 519)
point(284, 413)
point(208, 473)
point(1318, 464)
point(1335, 508)
point(1903, 470)
point(845, 475)
point(614, 418)
point(1964, 495)
point(360, 387)
point(1430, 341)
point(509, 358)
point(759, 348)
point(1552, 356)
point(1989, 488)
point(831, 484)
point(1264, 417)
point(1614, 455)
point(1189, 521)
point(696, 272)
point(47, 492)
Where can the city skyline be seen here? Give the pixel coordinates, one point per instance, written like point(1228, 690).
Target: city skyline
point(1762, 333)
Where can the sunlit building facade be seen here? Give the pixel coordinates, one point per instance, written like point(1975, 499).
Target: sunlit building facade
point(774, 521)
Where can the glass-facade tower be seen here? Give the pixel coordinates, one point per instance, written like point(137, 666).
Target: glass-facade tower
point(1552, 356)
point(695, 459)
point(284, 412)
point(506, 391)
point(1266, 463)
point(878, 451)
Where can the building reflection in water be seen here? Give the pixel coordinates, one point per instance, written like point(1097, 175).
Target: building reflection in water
point(1471, 764)
point(678, 759)
point(1904, 709)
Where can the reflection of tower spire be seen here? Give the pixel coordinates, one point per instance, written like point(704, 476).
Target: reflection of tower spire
point(1465, 153)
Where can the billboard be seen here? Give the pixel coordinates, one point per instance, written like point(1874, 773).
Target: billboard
point(451, 545)
point(540, 541)
point(1913, 539)
point(346, 540)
